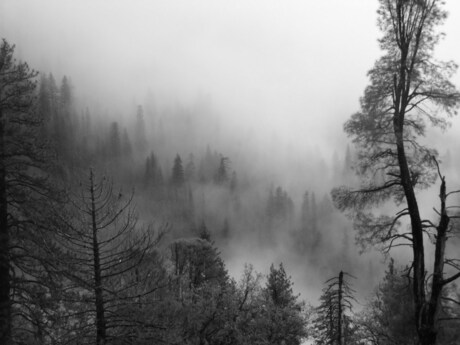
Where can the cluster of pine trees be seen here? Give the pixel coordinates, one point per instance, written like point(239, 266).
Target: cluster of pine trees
point(187, 187)
point(78, 266)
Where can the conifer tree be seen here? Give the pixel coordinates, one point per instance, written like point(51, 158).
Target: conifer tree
point(65, 124)
point(177, 177)
point(203, 289)
point(115, 148)
point(331, 325)
point(221, 175)
point(65, 94)
point(388, 318)
point(282, 315)
point(23, 187)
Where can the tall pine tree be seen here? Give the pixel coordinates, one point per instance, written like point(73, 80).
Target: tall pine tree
point(23, 181)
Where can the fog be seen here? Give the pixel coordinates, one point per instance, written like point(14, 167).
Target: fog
point(267, 83)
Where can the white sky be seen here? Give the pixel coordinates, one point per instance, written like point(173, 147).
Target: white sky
point(298, 66)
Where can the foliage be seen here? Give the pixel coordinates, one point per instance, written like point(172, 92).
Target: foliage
point(408, 90)
point(282, 316)
point(388, 318)
point(25, 193)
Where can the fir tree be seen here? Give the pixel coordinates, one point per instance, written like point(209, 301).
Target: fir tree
point(114, 141)
point(389, 316)
point(282, 318)
point(177, 177)
point(331, 325)
point(23, 188)
point(221, 175)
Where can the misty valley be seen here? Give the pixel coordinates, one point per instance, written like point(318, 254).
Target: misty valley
point(156, 220)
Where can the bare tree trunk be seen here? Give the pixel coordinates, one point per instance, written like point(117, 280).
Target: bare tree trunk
point(101, 334)
point(418, 250)
point(331, 322)
point(339, 310)
point(428, 333)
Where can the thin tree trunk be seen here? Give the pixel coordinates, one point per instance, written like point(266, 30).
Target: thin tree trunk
point(428, 333)
point(5, 284)
point(331, 322)
point(101, 334)
point(439, 256)
point(339, 311)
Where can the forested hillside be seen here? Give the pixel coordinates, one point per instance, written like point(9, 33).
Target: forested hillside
point(165, 222)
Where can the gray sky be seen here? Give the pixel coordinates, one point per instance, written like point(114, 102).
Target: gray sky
point(297, 66)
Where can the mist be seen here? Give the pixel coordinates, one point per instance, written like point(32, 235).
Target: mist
point(266, 84)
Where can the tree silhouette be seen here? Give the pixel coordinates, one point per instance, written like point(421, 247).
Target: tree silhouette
point(177, 177)
point(331, 325)
point(282, 319)
point(101, 254)
point(388, 318)
point(23, 184)
point(115, 148)
point(221, 175)
point(408, 90)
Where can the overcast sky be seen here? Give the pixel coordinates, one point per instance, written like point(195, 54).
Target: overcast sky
point(297, 66)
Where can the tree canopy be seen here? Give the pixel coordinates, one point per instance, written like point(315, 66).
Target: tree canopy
point(409, 90)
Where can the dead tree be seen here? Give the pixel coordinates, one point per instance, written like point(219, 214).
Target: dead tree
point(103, 253)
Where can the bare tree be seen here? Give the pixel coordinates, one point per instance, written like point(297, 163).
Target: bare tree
point(103, 254)
point(408, 90)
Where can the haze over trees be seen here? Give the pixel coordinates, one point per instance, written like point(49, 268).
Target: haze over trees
point(127, 226)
